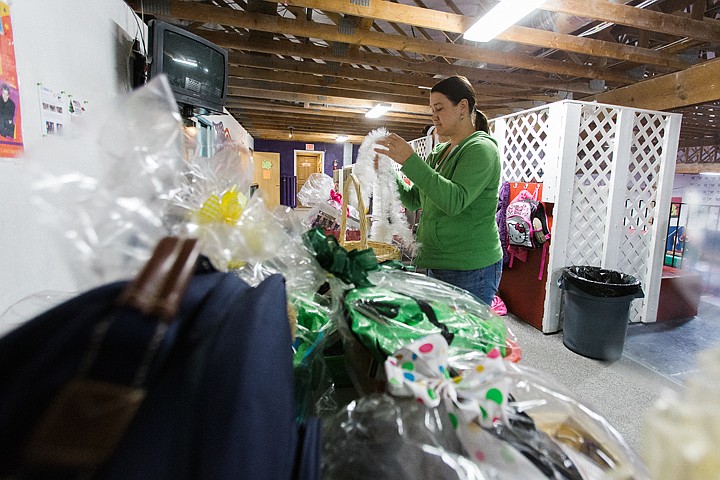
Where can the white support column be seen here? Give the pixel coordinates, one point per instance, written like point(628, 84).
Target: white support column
point(347, 153)
point(499, 135)
point(615, 232)
point(553, 152)
point(662, 213)
point(563, 141)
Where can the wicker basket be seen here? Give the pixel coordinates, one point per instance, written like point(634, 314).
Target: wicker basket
point(383, 251)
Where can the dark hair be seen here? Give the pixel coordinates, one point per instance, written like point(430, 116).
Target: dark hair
point(457, 88)
point(6, 87)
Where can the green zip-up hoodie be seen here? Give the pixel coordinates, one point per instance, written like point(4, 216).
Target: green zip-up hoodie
point(458, 198)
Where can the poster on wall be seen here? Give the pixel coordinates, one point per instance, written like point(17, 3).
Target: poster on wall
point(11, 142)
point(52, 110)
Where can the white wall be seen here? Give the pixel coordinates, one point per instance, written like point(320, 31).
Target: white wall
point(80, 46)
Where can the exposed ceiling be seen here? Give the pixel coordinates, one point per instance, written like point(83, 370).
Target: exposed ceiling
point(314, 67)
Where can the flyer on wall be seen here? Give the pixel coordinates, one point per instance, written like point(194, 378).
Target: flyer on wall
point(11, 142)
point(52, 110)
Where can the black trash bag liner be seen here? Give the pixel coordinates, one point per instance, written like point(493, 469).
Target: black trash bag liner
point(600, 282)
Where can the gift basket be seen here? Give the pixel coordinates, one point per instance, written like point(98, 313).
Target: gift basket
point(383, 251)
point(472, 416)
point(399, 307)
point(319, 193)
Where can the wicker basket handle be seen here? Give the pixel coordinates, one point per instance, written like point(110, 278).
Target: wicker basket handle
point(361, 210)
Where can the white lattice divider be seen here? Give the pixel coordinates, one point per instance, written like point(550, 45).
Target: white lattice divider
point(524, 145)
point(608, 170)
point(423, 145)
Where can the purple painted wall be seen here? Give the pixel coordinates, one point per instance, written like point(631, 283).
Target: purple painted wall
point(286, 149)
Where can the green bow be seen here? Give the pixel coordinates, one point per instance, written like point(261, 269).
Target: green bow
point(351, 267)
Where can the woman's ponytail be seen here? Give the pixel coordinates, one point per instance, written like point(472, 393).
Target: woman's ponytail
point(481, 121)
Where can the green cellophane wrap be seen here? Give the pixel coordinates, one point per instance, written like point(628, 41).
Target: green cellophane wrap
point(392, 314)
point(314, 322)
point(314, 328)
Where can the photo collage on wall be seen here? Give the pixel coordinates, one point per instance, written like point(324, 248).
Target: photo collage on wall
point(57, 109)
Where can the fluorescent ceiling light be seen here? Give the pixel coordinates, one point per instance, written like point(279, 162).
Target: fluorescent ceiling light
point(712, 174)
point(499, 18)
point(378, 110)
point(341, 138)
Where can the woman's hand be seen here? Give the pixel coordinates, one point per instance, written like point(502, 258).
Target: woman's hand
point(394, 147)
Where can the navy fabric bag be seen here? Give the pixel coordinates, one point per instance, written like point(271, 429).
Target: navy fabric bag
point(218, 402)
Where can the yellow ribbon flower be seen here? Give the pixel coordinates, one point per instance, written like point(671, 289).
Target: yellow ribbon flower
point(227, 208)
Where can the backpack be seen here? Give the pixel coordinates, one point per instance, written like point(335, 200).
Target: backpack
point(526, 223)
point(182, 374)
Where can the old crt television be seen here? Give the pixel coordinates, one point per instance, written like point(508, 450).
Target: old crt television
point(196, 68)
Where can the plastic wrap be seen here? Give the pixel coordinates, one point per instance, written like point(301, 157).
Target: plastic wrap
point(540, 409)
point(325, 202)
point(399, 308)
point(511, 422)
point(30, 307)
point(681, 431)
point(315, 329)
point(105, 186)
point(319, 189)
point(378, 437)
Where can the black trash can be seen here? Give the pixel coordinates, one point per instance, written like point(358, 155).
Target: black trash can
point(595, 310)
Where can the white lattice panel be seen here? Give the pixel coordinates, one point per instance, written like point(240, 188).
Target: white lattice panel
point(591, 186)
point(610, 171)
point(423, 146)
point(524, 146)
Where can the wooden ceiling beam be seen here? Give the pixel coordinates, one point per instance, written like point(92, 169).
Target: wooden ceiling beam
point(709, 141)
point(696, 168)
point(643, 19)
point(450, 22)
point(318, 111)
point(324, 76)
point(698, 84)
point(287, 48)
point(320, 99)
point(289, 65)
point(278, 25)
point(356, 128)
point(370, 98)
point(299, 124)
point(272, 134)
point(328, 81)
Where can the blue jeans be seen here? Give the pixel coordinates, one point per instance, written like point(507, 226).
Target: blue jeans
point(483, 282)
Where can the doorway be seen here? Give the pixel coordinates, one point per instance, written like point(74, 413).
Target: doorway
point(307, 162)
point(267, 175)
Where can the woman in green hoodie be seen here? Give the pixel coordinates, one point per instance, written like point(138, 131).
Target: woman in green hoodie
point(457, 189)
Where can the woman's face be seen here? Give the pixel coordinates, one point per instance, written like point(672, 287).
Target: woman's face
point(445, 115)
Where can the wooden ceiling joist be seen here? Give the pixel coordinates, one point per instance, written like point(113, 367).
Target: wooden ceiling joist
point(697, 84)
point(278, 25)
point(321, 64)
point(450, 22)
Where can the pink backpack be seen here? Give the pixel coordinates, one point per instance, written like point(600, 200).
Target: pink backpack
point(526, 222)
point(527, 228)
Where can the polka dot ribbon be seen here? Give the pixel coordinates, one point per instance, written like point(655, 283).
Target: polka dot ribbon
point(474, 400)
point(420, 370)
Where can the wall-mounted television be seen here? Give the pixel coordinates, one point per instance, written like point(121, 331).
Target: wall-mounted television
point(196, 68)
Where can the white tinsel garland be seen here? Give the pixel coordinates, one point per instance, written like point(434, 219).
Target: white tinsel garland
point(387, 211)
